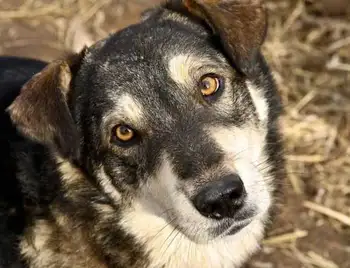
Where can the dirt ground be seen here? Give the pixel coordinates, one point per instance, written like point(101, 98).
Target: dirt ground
point(308, 47)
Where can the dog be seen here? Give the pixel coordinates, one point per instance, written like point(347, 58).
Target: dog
point(158, 146)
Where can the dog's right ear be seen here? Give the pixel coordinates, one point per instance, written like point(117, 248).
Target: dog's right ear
point(239, 24)
point(41, 110)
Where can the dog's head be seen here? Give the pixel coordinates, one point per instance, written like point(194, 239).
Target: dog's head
point(174, 117)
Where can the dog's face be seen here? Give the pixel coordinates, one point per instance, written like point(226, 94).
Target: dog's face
point(173, 123)
point(175, 128)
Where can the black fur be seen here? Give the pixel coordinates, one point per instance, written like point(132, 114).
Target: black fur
point(31, 185)
point(14, 72)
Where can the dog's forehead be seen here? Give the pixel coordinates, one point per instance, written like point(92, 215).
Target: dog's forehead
point(147, 66)
point(148, 42)
point(147, 56)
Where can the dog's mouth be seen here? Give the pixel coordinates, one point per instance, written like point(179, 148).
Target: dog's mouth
point(232, 229)
point(232, 226)
point(219, 229)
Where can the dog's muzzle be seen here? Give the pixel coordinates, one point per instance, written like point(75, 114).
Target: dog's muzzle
point(224, 200)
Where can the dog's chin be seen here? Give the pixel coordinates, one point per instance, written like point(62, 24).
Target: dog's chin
point(223, 229)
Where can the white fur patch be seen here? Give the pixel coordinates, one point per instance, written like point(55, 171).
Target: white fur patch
point(183, 67)
point(168, 247)
point(179, 68)
point(130, 108)
point(259, 101)
point(69, 173)
point(107, 186)
point(30, 248)
point(244, 148)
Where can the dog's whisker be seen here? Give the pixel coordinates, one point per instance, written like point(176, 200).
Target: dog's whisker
point(157, 119)
point(163, 228)
point(176, 232)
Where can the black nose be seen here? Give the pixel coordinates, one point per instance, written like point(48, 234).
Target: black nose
point(222, 198)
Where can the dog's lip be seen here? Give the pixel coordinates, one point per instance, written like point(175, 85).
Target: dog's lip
point(233, 226)
point(236, 227)
point(224, 230)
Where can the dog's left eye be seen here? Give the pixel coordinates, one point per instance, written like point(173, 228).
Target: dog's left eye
point(210, 84)
point(123, 134)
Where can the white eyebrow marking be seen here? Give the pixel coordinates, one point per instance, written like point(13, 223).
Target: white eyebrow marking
point(130, 108)
point(181, 65)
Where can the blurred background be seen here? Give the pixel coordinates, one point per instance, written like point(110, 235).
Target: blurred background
point(308, 48)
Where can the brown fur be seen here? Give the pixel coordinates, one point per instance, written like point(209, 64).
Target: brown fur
point(41, 111)
point(83, 237)
point(241, 41)
point(80, 228)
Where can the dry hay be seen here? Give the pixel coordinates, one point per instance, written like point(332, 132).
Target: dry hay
point(308, 47)
point(310, 56)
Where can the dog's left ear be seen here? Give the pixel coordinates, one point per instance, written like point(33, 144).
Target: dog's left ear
point(240, 24)
point(41, 110)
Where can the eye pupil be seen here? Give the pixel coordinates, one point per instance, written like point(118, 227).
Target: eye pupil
point(124, 130)
point(210, 84)
point(206, 84)
point(123, 133)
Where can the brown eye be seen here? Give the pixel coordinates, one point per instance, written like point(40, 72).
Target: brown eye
point(123, 133)
point(210, 84)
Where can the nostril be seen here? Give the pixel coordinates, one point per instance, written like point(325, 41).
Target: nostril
point(221, 198)
point(218, 211)
point(236, 188)
point(236, 191)
point(235, 194)
point(208, 207)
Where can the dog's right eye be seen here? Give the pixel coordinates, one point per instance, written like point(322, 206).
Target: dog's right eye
point(210, 84)
point(123, 134)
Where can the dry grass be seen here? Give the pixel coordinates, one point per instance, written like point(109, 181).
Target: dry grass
point(310, 54)
point(311, 60)
point(308, 47)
